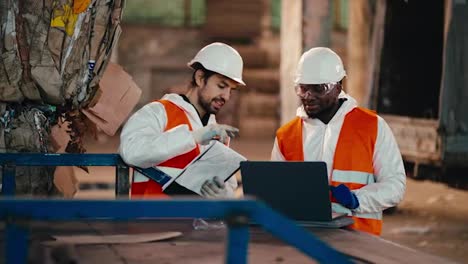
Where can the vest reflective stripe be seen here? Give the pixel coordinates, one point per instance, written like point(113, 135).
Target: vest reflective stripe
point(353, 179)
point(175, 117)
point(352, 163)
point(338, 208)
point(358, 177)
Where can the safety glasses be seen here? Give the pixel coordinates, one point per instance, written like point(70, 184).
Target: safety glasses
point(309, 90)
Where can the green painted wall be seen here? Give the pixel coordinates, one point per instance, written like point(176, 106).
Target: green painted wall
point(164, 12)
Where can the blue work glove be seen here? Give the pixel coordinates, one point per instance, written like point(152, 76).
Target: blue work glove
point(344, 196)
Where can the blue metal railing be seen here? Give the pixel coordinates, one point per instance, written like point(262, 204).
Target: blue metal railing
point(17, 212)
point(238, 213)
point(9, 161)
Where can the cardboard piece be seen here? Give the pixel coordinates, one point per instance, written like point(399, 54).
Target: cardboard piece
point(112, 239)
point(66, 181)
point(64, 176)
point(59, 137)
point(118, 96)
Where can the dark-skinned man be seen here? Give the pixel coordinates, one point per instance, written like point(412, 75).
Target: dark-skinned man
point(365, 167)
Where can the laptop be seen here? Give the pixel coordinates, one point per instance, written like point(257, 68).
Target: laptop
point(298, 190)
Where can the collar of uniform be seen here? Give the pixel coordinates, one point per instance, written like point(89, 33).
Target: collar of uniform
point(204, 119)
point(348, 105)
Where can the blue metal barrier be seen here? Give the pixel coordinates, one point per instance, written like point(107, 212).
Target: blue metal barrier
point(10, 160)
point(17, 212)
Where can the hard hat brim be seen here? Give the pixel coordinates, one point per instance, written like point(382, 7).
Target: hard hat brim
point(237, 80)
point(301, 80)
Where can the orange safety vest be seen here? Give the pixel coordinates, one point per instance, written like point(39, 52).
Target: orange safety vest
point(175, 117)
point(352, 163)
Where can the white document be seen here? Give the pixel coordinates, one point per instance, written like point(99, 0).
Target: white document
point(216, 160)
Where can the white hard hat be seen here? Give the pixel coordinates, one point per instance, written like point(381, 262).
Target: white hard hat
point(222, 59)
point(319, 65)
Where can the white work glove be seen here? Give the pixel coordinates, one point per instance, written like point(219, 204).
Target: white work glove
point(210, 132)
point(214, 188)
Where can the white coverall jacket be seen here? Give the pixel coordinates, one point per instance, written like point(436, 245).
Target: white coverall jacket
point(319, 143)
point(144, 143)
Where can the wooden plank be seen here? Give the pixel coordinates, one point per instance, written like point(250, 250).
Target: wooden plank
point(291, 50)
point(187, 12)
point(317, 24)
point(191, 253)
point(112, 239)
point(222, 6)
point(235, 32)
point(248, 24)
point(254, 104)
point(262, 80)
point(242, 18)
point(417, 138)
point(220, 21)
point(206, 246)
point(253, 56)
point(239, 9)
point(358, 47)
point(258, 127)
point(376, 53)
point(373, 249)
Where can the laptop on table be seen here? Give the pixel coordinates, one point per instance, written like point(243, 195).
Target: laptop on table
point(298, 190)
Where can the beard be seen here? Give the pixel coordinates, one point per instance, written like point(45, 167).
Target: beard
point(212, 106)
point(321, 108)
point(312, 109)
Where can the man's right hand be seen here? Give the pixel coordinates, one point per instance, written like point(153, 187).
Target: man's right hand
point(210, 132)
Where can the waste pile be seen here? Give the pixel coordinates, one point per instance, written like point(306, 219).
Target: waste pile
point(53, 55)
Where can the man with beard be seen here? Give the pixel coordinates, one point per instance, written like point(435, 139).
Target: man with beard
point(365, 167)
point(172, 131)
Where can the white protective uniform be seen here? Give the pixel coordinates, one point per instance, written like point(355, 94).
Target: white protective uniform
point(319, 143)
point(144, 143)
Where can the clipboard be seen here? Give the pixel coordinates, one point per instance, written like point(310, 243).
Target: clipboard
point(216, 160)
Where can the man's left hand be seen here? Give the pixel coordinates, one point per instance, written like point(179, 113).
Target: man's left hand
point(214, 188)
point(344, 196)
